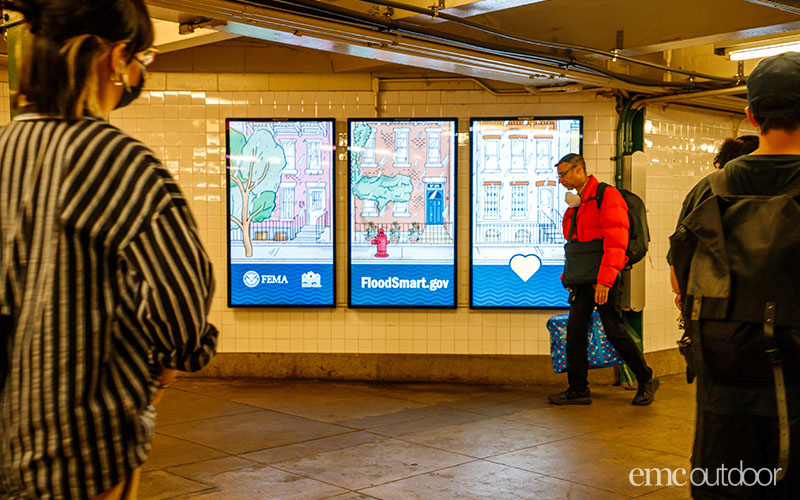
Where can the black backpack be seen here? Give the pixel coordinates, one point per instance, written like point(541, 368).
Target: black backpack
point(736, 260)
point(638, 230)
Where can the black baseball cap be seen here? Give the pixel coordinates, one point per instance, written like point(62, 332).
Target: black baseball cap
point(776, 76)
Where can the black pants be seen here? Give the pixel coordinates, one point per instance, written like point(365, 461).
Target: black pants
point(742, 442)
point(580, 314)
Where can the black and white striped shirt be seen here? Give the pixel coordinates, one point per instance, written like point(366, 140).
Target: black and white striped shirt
point(103, 281)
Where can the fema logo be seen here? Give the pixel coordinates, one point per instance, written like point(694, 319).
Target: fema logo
point(251, 279)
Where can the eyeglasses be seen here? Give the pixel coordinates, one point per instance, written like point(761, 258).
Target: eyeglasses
point(146, 57)
point(565, 172)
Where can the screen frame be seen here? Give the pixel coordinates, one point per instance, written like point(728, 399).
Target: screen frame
point(453, 207)
point(472, 122)
point(332, 122)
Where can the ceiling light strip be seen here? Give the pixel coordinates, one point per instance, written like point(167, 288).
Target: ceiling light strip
point(764, 51)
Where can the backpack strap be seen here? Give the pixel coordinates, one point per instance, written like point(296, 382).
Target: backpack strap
point(601, 190)
point(574, 223)
point(792, 190)
point(718, 181)
point(720, 185)
point(776, 361)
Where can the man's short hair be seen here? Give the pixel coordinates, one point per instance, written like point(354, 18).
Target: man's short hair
point(572, 159)
point(773, 92)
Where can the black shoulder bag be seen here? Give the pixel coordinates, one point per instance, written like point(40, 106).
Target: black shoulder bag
point(582, 257)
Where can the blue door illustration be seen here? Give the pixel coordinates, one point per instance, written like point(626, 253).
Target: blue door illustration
point(434, 205)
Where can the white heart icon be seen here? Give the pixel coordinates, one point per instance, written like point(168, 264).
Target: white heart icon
point(525, 265)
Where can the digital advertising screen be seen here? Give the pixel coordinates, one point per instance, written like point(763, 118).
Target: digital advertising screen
point(280, 212)
point(517, 244)
point(402, 204)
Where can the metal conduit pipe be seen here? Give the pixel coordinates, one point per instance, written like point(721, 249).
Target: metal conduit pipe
point(531, 56)
point(226, 9)
point(434, 12)
point(496, 93)
point(739, 89)
point(409, 29)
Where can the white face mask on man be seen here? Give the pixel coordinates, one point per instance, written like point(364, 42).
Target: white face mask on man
point(572, 199)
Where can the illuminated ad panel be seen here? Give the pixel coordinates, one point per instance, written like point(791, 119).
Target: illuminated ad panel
point(280, 212)
point(517, 243)
point(402, 202)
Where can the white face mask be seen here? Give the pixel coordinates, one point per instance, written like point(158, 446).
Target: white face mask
point(572, 199)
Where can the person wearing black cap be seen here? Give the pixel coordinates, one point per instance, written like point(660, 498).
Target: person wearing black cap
point(738, 420)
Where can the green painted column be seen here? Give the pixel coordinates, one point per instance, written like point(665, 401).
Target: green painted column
point(630, 138)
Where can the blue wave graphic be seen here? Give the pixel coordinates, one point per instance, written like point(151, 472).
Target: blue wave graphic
point(499, 286)
point(314, 296)
point(271, 290)
point(393, 297)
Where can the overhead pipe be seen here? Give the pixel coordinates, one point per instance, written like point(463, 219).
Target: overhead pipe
point(573, 87)
point(477, 82)
point(640, 103)
point(288, 23)
point(543, 43)
point(377, 33)
point(564, 63)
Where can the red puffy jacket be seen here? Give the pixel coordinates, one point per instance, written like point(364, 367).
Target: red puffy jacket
point(609, 223)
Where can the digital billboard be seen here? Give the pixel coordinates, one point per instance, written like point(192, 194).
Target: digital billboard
point(402, 202)
point(280, 180)
point(517, 243)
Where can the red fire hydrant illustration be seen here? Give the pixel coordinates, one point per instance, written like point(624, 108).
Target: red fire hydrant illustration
point(382, 241)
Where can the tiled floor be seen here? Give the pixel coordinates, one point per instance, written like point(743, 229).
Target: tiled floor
point(254, 439)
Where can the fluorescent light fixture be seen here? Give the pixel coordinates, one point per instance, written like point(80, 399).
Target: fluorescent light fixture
point(763, 51)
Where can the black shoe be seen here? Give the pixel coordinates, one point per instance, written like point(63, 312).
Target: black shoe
point(570, 397)
point(646, 393)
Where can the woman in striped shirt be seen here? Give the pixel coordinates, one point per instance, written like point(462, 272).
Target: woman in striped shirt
point(105, 287)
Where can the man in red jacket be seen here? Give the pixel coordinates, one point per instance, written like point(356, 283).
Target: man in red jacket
point(608, 222)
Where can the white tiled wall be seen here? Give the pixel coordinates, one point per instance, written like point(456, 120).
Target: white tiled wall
point(182, 117)
point(680, 145)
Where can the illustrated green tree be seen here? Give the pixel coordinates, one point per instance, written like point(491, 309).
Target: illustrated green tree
point(379, 188)
point(256, 166)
